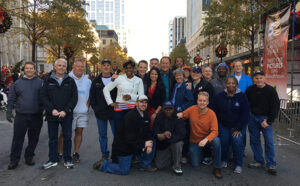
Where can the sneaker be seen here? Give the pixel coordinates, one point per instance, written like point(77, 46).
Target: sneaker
point(60, 157)
point(184, 160)
point(238, 170)
point(12, 165)
point(29, 162)
point(69, 165)
point(217, 172)
point(76, 157)
point(178, 171)
point(255, 165)
point(49, 164)
point(272, 170)
point(98, 164)
point(150, 169)
point(207, 161)
point(224, 164)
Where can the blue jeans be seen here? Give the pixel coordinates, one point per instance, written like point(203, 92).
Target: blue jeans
point(146, 159)
point(102, 130)
point(237, 144)
point(124, 164)
point(119, 116)
point(196, 153)
point(254, 126)
point(53, 139)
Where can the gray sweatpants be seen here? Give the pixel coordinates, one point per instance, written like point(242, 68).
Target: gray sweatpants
point(173, 152)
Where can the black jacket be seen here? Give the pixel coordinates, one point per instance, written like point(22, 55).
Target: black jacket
point(98, 102)
point(174, 125)
point(171, 84)
point(203, 85)
point(144, 80)
point(158, 96)
point(132, 134)
point(62, 97)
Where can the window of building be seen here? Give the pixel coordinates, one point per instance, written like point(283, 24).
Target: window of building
point(93, 5)
point(104, 42)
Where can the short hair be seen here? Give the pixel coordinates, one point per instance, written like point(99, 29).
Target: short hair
point(234, 79)
point(143, 61)
point(203, 93)
point(178, 71)
point(78, 61)
point(152, 59)
point(178, 58)
point(237, 61)
point(29, 63)
point(166, 57)
point(129, 62)
point(61, 60)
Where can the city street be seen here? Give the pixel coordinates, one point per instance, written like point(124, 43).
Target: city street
point(287, 156)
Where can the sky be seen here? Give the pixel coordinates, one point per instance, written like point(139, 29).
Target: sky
point(148, 24)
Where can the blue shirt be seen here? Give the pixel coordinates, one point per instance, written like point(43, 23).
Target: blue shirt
point(165, 80)
point(244, 82)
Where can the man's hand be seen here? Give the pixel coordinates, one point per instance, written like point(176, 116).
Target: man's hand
point(55, 112)
point(264, 124)
point(114, 76)
point(189, 86)
point(9, 116)
point(203, 142)
point(236, 134)
point(114, 105)
point(161, 137)
point(62, 114)
point(179, 115)
point(148, 143)
point(148, 150)
point(167, 134)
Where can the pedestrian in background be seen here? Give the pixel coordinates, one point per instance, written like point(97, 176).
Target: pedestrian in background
point(59, 95)
point(264, 107)
point(24, 98)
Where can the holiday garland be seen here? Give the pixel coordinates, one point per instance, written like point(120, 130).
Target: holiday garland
point(221, 51)
point(5, 21)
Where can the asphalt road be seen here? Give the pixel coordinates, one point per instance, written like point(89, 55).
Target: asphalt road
point(287, 156)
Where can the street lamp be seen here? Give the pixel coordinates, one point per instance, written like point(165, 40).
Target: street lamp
point(208, 57)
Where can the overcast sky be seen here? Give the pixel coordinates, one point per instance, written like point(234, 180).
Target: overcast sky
point(148, 22)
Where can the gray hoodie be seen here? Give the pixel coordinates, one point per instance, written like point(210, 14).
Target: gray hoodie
point(24, 96)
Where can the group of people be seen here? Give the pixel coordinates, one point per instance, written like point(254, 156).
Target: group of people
point(165, 117)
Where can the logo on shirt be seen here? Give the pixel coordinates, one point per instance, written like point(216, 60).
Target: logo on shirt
point(237, 104)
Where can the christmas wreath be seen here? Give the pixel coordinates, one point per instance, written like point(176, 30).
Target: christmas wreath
point(221, 51)
point(5, 21)
point(197, 59)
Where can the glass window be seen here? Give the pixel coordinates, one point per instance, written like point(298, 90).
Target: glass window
point(103, 42)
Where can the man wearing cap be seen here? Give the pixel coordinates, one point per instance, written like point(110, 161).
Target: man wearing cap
point(264, 106)
point(219, 82)
point(170, 133)
point(133, 137)
point(103, 112)
point(200, 84)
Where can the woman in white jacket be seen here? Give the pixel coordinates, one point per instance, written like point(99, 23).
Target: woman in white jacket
point(129, 88)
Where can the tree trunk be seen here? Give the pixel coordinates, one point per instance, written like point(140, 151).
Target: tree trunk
point(252, 52)
point(33, 45)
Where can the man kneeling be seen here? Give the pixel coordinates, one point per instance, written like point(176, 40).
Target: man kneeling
point(133, 137)
point(170, 133)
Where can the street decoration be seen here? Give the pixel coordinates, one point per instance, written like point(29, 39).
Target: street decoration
point(5, 21)
point(221, 51)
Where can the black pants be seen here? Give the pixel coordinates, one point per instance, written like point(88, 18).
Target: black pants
point(32, 124)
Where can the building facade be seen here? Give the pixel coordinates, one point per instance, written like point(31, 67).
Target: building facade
point(177, 32)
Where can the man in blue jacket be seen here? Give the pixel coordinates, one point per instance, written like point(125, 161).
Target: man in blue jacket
point(23, 97)
point(243, 80)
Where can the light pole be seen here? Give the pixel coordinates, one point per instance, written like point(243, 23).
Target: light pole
point(208, 57)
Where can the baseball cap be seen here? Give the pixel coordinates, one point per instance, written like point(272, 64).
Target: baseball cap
point(168, 104)
point(106, 61)
point(142, 98)
point(259, 72)
point(197, 69)
point(186, 68)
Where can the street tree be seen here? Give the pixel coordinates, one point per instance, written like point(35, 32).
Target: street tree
point(180, 51)
point(234, 23)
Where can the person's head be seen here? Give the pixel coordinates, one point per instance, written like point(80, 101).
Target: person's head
point(154, 74)
point(238, 66)
point(29, 69)
point(78, 68)
point(142, 102)
point(179, 75)
point(142, 67)
point(179, 61)
point(196, 73)
point(168, 109)
point(207, 73)
point(222, 69)
point(106, 66)
point(187, 71)
point(165, 64)
point(60, 66)
point(154, 62)
point(259, 78)
point(129, 68)
point(231, 84)
point(203, 100)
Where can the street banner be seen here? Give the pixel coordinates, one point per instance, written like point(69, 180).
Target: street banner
point(275, 50)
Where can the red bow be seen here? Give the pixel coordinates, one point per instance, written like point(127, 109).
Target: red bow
point(1, 15)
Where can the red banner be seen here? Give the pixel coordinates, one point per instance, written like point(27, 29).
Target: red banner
point(275, 50)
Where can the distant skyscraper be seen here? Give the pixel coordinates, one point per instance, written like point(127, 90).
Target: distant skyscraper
point(170, 36)
point(110, 13)
point(177, 32)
